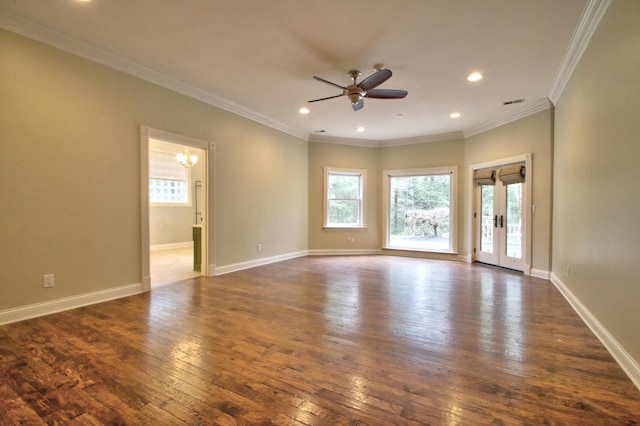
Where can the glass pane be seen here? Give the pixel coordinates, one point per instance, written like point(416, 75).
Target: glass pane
point(514, 220)
point(419, 212)
point(342, 186)
point(167, 191)
point(486, 224)
point(343, 212)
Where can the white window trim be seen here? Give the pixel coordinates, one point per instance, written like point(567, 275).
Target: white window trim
point(362, 173)
point(453, 206)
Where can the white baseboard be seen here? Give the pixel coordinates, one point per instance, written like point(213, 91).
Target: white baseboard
point(389, 252)
point(629, 365)
point(432, 255)
point(344, 252)
point(51, 307)
point(257, 262)
point(211, 272)
point(170, 246)
point(539, 273)
point(146, 284)
point(466, 258)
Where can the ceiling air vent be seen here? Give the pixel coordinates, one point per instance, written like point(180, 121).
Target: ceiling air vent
point(515, 101)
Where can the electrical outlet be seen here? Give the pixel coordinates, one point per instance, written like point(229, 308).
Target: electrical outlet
point(259, 247)
point(48, 281)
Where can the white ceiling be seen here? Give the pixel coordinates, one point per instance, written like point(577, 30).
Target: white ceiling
point(257, 57)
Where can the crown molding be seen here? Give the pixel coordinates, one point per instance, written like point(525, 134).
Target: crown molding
point(416, 140)
point(591, 17)
point(315, 138)
point(589, 21)
point(442, 137)
point(526, 110)
point(513, 115)
point(46, 35)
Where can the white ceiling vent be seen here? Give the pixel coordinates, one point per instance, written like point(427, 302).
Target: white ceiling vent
point(514, 101)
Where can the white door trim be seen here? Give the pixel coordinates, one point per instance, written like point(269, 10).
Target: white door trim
point(526, 211)
point(207, 254)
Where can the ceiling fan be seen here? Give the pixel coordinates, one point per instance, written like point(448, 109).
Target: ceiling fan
point(365, 89)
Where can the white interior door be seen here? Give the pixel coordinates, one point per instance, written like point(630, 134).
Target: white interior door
point(500, 224)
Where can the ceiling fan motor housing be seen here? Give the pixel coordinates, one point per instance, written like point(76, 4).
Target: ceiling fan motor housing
point(354, 93)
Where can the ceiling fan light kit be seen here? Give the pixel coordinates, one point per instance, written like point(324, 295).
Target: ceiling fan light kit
point(356, 92)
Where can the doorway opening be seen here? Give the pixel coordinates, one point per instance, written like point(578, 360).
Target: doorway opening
point(501, 206)
point(175, 207)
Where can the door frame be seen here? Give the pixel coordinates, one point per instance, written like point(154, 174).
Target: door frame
point(499, 255)
point(146, 133)
point(527, 208)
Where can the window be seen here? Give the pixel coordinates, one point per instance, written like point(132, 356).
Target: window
point(420, 209)
point(168, 180)
point(344, 198)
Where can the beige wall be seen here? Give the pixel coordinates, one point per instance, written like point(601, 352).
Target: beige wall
point(532, 134)
point(374, 160)
point(351, 157)
point(426, 155)
point(596, 230)
point(70, 165)
point(261, 193)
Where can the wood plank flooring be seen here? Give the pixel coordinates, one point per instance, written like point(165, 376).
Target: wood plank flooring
point(362, 340)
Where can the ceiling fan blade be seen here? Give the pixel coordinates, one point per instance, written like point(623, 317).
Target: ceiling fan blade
point(375, 79)
point(386, 94)
point(358, 105)
point(328, 82)
point(324, 99)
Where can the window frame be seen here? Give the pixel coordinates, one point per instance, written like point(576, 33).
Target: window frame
point(453, 205)
point(187, 181)
point(362, 175)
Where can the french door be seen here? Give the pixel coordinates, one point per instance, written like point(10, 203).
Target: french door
point(500, 224)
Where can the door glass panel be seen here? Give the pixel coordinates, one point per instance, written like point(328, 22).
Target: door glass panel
point(513, 220)
point(486, 224)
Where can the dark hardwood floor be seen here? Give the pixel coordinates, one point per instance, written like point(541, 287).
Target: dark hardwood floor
point(374, 340)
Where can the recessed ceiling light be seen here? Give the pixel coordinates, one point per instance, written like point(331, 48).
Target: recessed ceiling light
point(454, 115)
point(474, 76)
point(304, 111)
point(360, 129)
point(400, 115)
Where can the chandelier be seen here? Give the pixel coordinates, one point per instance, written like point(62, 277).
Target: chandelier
point(186, 159)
